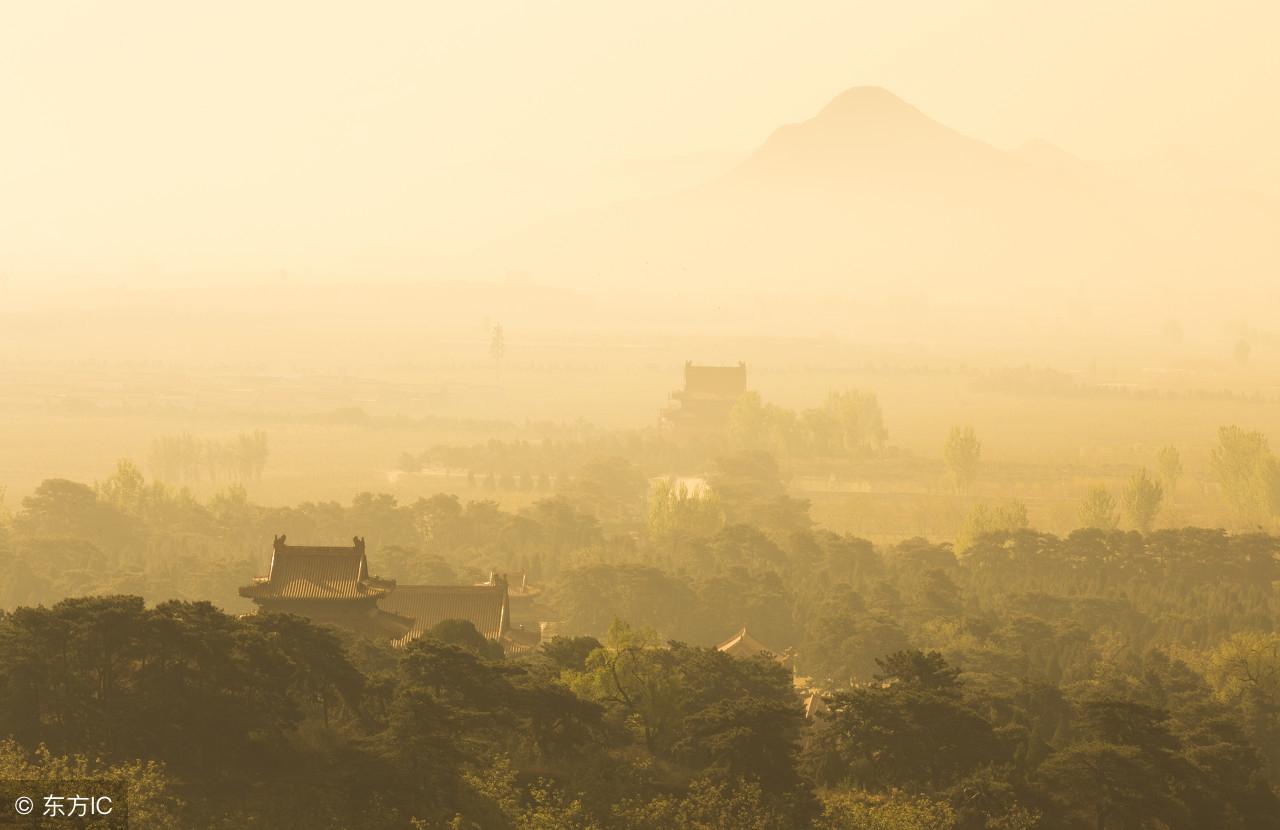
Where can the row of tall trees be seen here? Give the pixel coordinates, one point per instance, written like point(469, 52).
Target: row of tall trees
point(1242, 466)
point(849, 423)
point(185, 459)
point(848, 429)
point(1140, 501)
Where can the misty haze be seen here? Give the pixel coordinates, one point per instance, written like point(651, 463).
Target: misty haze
point(672, 417)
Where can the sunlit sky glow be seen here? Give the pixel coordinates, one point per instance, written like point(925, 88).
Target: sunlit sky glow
point(153, 139)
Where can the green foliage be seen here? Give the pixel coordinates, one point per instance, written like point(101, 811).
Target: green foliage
point(67, 509)
point(677, 517)
point(705, 806)
point(842, 644)
point(1098, 510)
point(750, 738)
point(185, 459)
point(631, 673)
point(1245, 665)
point(463, 633)
point(1106, 782)
point(570, 653)
point(557, 450)
point(913, 730)
point(916, 670)
point(1146, 656)
point(504, 804)
point(751, 491)
point(1169, 467)
point(591, 596)
point(216, 700)
point(853, 810)
point(610, 489)
point(147, 786)
point(962, 453)
point(1248, 473)
point(849, 424)
point(1141, 498)
point(759, 427)
point(983, 520)
point(745, 478)
point(733, 719)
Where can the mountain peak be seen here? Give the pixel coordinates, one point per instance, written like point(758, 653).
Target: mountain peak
point(871, 113)
point(868, 102)
point(869, 131)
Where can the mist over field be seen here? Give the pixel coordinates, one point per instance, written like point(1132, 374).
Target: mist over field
point(568, 416)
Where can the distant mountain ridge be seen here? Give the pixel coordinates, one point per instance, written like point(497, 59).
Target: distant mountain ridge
point(872, 197)
point(860, 127)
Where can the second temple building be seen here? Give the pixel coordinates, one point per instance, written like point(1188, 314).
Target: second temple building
point(332, 585)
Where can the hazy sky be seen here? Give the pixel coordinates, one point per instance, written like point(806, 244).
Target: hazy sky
point(162, 139)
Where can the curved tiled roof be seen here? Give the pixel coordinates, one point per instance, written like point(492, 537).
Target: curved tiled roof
point(484, 606)
point(317, 573)
point(744, 645)
point(520, 641)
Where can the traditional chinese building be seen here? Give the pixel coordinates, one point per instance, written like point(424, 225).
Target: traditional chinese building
point(487, 607)
point(328, 585)
point(332, 585)
point(528, 606)
point(708, 396)
point(744, 646)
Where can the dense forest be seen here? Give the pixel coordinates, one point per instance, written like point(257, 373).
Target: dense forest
point(1014, 679)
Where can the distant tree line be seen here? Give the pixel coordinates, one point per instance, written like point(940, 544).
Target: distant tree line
point(185, 459)
point(848, 423)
